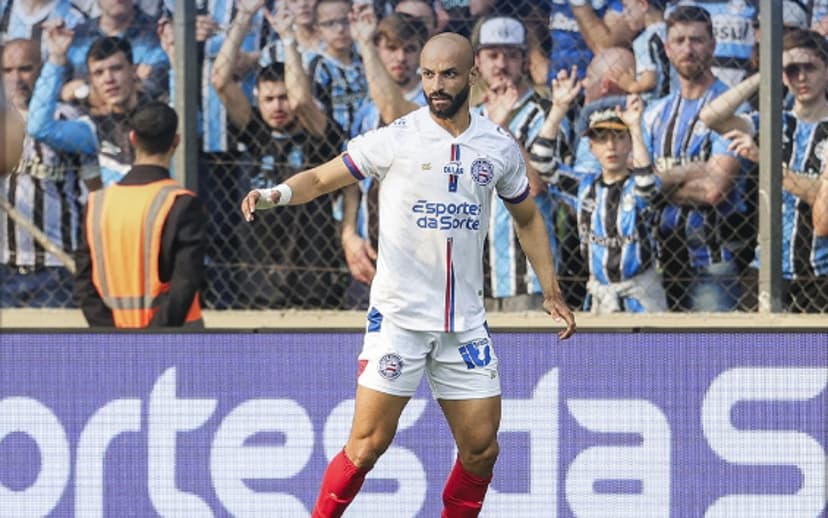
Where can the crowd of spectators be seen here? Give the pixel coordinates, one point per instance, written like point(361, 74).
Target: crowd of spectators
point(285, 83)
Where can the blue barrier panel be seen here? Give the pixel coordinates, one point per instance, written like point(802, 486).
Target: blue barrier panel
point(603, 425)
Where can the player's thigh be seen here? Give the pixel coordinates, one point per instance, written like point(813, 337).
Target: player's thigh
point(473, 422)
point(392, 360)
point(376, 415)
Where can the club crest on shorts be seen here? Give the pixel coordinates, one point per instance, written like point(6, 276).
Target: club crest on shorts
point(390, 366)
point(482, 171)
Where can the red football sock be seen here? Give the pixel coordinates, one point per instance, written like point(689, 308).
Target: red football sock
point(464, 493)
point(340, 485)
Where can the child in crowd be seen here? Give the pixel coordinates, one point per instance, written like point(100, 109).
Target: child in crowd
point(615, 218)
point(613, 204)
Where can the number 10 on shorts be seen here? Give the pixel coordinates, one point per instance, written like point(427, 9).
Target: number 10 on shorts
point(476, 353)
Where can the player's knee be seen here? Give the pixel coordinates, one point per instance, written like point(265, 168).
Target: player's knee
point(364, 452)
point(481, 458)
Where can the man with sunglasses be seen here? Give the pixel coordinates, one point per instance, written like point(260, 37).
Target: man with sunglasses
point(794, 16)
point(804, 145)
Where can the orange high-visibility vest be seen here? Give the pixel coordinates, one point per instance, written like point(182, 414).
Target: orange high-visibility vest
point(124, 224)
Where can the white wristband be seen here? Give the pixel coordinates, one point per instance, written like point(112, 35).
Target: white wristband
point(577, 3)
point(285, 194)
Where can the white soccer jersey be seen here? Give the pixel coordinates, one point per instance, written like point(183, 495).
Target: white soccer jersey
point(434, 201)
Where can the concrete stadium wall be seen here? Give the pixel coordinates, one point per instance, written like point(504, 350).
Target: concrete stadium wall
point(355, 320)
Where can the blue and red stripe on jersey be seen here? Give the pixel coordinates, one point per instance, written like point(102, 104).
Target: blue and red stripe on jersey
point(450, 286)
point(455, 157)
point(352, 167)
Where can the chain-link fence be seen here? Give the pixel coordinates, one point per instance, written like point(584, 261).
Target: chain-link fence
point(283, 87)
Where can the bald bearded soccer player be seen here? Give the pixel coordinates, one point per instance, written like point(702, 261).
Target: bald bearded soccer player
point(437, 167)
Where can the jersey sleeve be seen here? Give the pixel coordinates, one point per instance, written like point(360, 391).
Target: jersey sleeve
point(513, 185)
point(371, 153)
point(643, 60)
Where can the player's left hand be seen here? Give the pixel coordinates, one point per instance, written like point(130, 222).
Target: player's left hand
point(557, 308)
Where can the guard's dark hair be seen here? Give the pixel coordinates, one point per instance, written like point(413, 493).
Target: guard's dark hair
point(154, 124)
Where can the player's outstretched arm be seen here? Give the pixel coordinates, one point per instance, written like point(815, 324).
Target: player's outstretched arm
point(300, 188)
point(534, 241)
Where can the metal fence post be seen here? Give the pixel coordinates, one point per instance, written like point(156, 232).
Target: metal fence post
point(770, 158)
point(186, 94)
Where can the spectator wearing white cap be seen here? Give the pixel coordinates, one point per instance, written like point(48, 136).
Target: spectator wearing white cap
point(508, 100)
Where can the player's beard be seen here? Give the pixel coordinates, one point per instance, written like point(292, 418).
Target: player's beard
point(456, 102)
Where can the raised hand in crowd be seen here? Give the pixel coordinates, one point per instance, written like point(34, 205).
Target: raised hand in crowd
point(249, 7)
point(58, 40)
point(363, 23)
point(631, 114)
point(500, 101)
point(166, 36)
point(565, 89)
point(281, 20)
point(205, 27)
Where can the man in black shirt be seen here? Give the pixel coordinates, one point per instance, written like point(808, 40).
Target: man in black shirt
point(289, 258)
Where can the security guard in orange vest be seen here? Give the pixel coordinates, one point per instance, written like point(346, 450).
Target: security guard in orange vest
point(141, 259)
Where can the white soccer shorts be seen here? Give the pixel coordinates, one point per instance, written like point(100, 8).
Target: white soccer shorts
point(459, 365)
